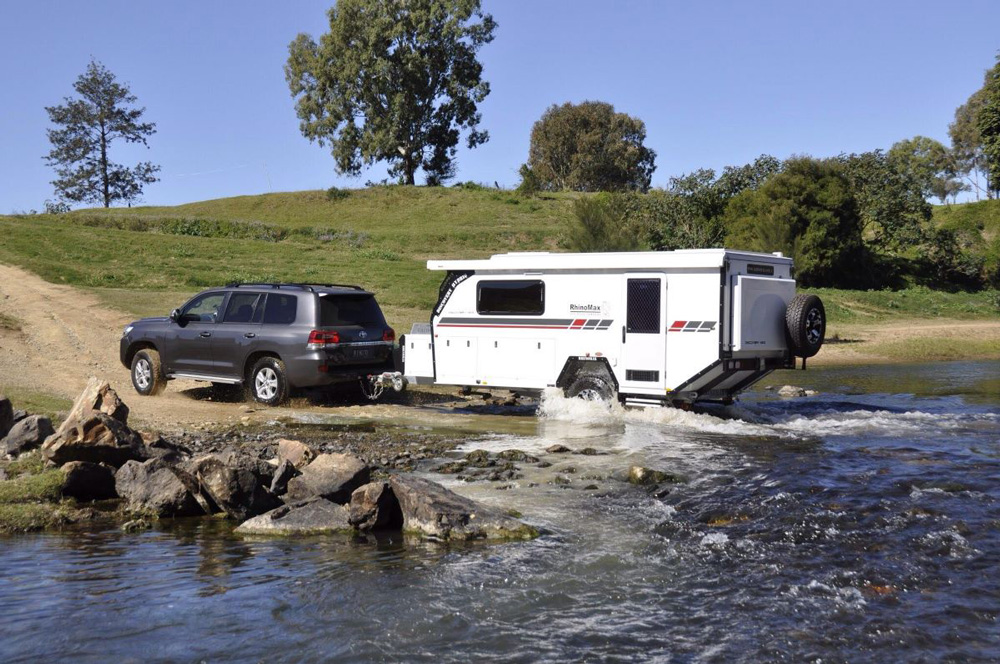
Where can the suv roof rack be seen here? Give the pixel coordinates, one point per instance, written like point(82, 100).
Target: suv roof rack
point(303, 286)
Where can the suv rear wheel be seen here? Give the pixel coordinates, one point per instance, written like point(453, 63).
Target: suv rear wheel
point(267, 383)
point(147, 377)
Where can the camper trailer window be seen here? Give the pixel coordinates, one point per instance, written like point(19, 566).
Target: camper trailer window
point(523, 297)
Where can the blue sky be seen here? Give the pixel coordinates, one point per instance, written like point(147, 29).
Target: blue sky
point(715, 82)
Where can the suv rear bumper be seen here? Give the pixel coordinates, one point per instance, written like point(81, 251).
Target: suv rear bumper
point(329, 366)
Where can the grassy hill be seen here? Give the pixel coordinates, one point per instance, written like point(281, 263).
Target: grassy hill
point(147, 260)
point(977, 226)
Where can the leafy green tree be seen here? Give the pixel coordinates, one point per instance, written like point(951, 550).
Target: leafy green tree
point(988, 123)
point(689, 214)
point(967, 143)
point(928, 163)
point(590, 147)
point(394, 81)
point(809, 212)
point(85, 129)
point(600, 226)
point(890, 201)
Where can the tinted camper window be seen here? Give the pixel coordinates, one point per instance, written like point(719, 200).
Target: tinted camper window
point(524, 297)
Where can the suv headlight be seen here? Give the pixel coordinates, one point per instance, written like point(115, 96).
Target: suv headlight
point(128, 328)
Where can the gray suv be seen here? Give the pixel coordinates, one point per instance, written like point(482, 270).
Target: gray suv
point(268, 338)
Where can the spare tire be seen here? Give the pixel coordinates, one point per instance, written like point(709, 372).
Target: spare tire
point(805, 323)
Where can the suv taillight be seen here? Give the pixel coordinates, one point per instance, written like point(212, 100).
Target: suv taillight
point(322, 339)
point(389, 335)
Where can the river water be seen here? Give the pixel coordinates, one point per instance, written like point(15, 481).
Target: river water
point(861, 524)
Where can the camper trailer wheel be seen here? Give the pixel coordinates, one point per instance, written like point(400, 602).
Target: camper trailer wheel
point(805, 321)
point(591, 388)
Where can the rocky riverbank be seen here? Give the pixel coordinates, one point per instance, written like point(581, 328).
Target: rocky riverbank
point(94, 467)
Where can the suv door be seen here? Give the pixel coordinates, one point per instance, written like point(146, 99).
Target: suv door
point(236, 334)
point(188, 343)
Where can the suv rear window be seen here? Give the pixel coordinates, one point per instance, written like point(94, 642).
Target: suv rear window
point(279, 309)
point(337, 310)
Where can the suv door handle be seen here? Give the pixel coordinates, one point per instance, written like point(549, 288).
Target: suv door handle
point(206, 334)
point(249, 335)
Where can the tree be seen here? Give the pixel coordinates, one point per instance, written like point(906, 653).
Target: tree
point(808, 212)
point(988, 123)
point(600, 226)
point(928, 163)
point(590, 147)
point(890, 201)
point(967, 144)
point(393, 81)
point(86, 129)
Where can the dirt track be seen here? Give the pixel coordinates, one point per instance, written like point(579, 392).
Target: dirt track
point(68, 335)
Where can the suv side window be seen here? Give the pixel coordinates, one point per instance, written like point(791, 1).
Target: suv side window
point(280, 309)
point(241, 307)
point(204, 308)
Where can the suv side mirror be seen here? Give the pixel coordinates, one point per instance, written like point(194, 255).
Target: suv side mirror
point(175, 316)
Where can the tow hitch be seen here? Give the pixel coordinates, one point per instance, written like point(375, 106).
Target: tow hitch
point(373, 385)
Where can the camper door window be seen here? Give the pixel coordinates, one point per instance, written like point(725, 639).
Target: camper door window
point(524, 297)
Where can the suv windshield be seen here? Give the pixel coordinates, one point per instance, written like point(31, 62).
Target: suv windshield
point(349, 310)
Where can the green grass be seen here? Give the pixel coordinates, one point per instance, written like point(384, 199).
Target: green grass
point(30, 488)
point(844, 306)
point(146, 261)
point(931, 349)
point(977, 226)
point(37, 403)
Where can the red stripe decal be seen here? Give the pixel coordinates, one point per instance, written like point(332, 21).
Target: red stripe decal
point(678, 324)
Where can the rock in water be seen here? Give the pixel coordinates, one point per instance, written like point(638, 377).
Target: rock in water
point(330, 476)
point(27, 434)
point(374, 507)
point(6, 416)
point(154, 487)
point(88, 481)
point(789, 391)
point(557, 449)
point(234, 487)
point(647, 476)
point(317, 516)
point(298, 453)
point(95, 437)
point(437, 513)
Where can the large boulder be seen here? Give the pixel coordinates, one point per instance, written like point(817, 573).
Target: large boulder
point(330, 476)
point(434, 512)
point(316, 516)
point(157, 488)
point(95, 430)
point(88, 481)
point(158, 447)
point(6, 416)
point(234, 485)
point(374, 507)
point(98, 395)
point(27, 434)
point(297, 453)
point(95, 437)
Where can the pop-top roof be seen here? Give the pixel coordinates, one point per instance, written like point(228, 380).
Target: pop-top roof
point(633, 260)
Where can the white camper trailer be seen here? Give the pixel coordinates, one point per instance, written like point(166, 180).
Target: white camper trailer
point(646, 328)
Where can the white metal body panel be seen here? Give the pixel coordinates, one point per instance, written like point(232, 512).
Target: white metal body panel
point(642, 353)
point(418, 357)
point(693, 323)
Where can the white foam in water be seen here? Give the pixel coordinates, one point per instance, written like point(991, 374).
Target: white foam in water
point(555, 406)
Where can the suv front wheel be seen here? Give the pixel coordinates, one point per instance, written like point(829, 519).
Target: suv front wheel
point(267, 383)
point(147, 377)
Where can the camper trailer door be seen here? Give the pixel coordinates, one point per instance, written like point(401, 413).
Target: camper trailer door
point(644, 342)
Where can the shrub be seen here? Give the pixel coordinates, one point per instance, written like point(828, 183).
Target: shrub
point(336, 194)
point(600, 226)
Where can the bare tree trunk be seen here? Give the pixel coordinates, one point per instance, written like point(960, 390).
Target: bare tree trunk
point(104, 166)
